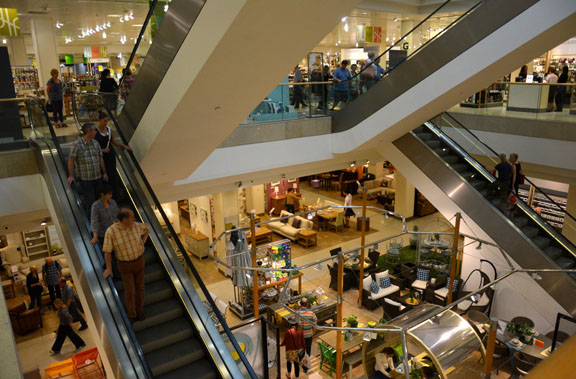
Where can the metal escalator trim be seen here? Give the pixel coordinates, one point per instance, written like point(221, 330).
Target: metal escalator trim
point(561, 287)
point(175, 27)
point(482, 170)
point(181, 283)
point(485, 19)
point(72, 231)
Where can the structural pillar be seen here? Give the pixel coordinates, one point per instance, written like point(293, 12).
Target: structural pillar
point(17, 48)
point(404, 196)
point(569, 228)
point(44, 41)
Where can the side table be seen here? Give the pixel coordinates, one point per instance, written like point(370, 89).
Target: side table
point(307, 237)
point(8, 287)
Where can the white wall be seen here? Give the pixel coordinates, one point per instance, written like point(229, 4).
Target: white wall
point(171, 210)
point(202, 203)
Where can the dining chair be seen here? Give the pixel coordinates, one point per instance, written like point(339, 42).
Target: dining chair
point(327, 357)
point(338, 222)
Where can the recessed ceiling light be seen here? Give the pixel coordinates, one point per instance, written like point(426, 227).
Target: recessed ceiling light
point(113, 15)
point(395, 19)
point(139, 25)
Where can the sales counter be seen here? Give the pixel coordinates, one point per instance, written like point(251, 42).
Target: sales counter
point(528, 97)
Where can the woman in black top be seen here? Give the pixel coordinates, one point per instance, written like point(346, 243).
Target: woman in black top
point(105, 139)
point(108, 89)
point(35, 288)
point(517, 176)
point(561, 89)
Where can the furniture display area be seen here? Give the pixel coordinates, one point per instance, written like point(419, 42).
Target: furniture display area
point(12, 255)
point(196, 243)
point(263, 235)
point(307, 237)
point(374, 289)
point(278, 203)
point(290, 226)
point(383, 185)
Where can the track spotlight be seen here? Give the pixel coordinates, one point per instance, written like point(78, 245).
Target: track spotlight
point(44, 222)
point(479, 247)
point(353, 164)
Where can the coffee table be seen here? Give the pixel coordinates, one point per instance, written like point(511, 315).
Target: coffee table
point(410, 305)
point(263, 235)
point(307, 237)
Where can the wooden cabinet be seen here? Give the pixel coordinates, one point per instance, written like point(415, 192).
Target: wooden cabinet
point(277, 202)
point(196, 243)
point(37, 243)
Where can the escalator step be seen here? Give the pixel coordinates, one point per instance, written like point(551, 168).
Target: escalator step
point(420, 129)
point(542, 241)
point(442, 151)
point(468, 175)
point(433, 144)
point(553, 252)
point(157, 291)
point(158, 313)
point(153, 272)
point(200, 369)
point(460, 167)
point(565, 263)
point(162, 335)
point(175, 356)
point(425, 136)
point(530, 231)
point(451, 159)
point(522, 222)
point(478, 184)
point(149, 255)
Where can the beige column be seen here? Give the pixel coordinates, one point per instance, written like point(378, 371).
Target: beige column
point(404, 196)
point(17, 49)
point(44, 41)
point(569, 228)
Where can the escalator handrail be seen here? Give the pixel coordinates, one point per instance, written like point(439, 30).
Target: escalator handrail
point(527, 209)
point(110, 282)
point(497, 156)
point(139, 39)
point(174, 235)
point(425, 43)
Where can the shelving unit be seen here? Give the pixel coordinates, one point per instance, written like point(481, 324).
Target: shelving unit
point(553, 214)
point(37, 243)
point(25, 80)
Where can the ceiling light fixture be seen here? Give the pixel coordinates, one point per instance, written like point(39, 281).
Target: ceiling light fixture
point(68, 40)
point(4, 41)
point(479, 247)
point(44, 222)
point(395, 19)
point(165, 8)
point(121, 19)
point(353, 164)
point(346, 27)
point(59, 25)
point(356, 43)
point(344, 19)
point(104, 35)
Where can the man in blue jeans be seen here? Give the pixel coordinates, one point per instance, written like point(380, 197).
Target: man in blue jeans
point(69, 300)
point(341, 78)
point(86, 154)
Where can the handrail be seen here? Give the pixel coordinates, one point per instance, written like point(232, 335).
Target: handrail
point(496, 154)
point(117, 300)
point(187, 259)
point(525, 208)
point(139, 39)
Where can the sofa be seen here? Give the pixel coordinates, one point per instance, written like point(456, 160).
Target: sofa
point(373, 300)
point(378, 186)
point(23, 320)
point(286, 227)
point(12, 255)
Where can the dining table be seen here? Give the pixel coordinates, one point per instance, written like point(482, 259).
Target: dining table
point(324, 216)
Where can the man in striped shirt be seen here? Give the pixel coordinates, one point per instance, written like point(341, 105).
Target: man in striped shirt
point(307, 328)
point(127, 238)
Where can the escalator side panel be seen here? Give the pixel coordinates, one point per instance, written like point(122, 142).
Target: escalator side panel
point(487, 18)
point(559, 285)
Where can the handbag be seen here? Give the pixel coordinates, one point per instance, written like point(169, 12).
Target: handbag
point(48, 107)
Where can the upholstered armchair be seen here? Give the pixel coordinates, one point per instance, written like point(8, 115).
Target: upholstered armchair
point(392, 309)
point(23, 320)
point(12, 256)
point(375, 288)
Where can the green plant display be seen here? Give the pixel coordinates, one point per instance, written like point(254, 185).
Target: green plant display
point(351, 320)
point(523, 331)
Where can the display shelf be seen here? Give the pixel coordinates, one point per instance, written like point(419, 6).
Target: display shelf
point(37, 243)
point(25, 80)
point(552, 213)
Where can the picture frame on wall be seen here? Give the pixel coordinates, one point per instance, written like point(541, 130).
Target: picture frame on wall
point(193, 211)
point(274, 184)
point(204, 215)
point(292, 180)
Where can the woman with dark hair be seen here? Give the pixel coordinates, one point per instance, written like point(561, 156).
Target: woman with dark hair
point(294, 342)
point(385, 362)
point(106, 140)
point(523, 74)
point(551, 78)
point(561, 89)
point(108, 88)
point(55, 95)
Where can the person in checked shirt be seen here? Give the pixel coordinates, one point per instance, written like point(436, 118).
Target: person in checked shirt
point(127, 238)
point(90, 170)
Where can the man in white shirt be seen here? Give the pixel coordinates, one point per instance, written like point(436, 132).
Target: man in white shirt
point(384, 364)
point(348, 211)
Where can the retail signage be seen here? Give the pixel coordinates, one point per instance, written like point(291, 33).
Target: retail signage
point(369, 34)
point(95, 52)
point(88, 52)
point(9, 22)
point(69, 59)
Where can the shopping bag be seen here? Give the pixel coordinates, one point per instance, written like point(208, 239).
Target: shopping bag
point(48, 107)
point(306, 361)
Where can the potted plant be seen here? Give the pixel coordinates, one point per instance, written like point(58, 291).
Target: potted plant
point(523, 331)
point(351, 321)
point(56, 249)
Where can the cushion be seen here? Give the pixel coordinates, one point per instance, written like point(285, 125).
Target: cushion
point(419, 284)
point(441, 293)
point(297, 222)
point(366, 283)
point(380, 275)
point(422, 275)
point(384, 292)
point(374, 287)
point(392, 302)
point(289, 231)
point(11, 254)
point(385, 282)
point(284, 220)
point(275, 225)
point(455, 286)
point(464, 305)
point(484, 300)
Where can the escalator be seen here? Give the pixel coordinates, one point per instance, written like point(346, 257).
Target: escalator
point(529, 239)
point(177, 337)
